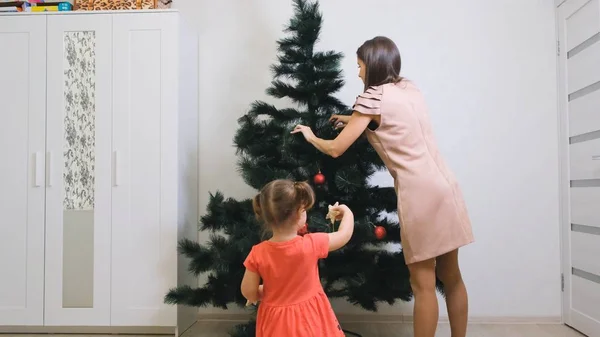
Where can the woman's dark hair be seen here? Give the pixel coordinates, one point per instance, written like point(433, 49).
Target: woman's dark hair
point(382, 59)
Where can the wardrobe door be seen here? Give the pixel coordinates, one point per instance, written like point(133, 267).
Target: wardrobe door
point(144, 237)
point(22, 147)
point(78, 192)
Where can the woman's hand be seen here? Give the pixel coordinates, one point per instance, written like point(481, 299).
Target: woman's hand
point(306, 132)
point(339, 121)
point(357, 124)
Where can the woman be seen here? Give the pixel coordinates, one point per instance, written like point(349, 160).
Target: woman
point(433, 216)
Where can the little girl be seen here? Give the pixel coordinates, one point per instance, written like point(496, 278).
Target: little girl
point(293, 303)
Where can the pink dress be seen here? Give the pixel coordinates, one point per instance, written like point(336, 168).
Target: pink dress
point(433, 215)
point(294, 303)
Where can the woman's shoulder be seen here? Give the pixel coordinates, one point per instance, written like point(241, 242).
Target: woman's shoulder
point(369, 102)
point(400, 93)
point(379, 92)
point(401, 86)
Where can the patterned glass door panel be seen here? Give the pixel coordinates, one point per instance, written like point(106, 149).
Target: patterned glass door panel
point(79, 170)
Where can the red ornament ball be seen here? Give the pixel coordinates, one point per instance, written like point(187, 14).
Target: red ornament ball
point(303, 230)
point(319, 178)
point(380, 232)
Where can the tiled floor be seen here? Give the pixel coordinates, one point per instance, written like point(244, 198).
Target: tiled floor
point(219, 329)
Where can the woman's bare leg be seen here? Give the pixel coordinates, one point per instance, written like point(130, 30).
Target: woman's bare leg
point(422, 280)
point(457, 301)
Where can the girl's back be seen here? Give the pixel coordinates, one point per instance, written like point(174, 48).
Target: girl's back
point(294, 303)
point(289, 269)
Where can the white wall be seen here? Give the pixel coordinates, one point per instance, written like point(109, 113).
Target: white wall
point(488, 71)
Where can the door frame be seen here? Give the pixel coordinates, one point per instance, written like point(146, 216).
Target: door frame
point(563, 168)
point(564, 161)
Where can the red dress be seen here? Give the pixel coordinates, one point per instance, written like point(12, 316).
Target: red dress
point(294, 303)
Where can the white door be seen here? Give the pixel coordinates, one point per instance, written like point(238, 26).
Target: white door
point(22, 147)
point(144, 236)
point(78, 192)
point(579, 92)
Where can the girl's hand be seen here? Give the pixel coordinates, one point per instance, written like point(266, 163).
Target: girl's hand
point(260, 296)
point(339, 121)
point(340, 210)
point(340, 238)
point(306, 132)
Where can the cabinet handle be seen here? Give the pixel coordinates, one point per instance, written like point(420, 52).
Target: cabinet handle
point(49, 168)
point(116, 161)
point(596, 157)
point(38, 169)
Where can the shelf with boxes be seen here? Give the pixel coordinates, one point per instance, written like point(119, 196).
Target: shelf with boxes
point(82, 5)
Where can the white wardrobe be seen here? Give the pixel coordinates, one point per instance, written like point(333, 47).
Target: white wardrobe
point(98, 168)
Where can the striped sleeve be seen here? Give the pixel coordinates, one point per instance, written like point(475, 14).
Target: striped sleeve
point(369, 102)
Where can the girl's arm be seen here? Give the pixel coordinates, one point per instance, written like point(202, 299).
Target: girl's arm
point(356, 126)
point(340, 238)
point(260, 296)
point(251, 288)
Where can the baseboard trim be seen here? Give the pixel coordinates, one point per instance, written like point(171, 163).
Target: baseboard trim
point(503, 319)
point(128, 330)
point(202, 317)
point(374, 318)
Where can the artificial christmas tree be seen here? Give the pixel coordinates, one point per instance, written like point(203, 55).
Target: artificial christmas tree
point(362, 272)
